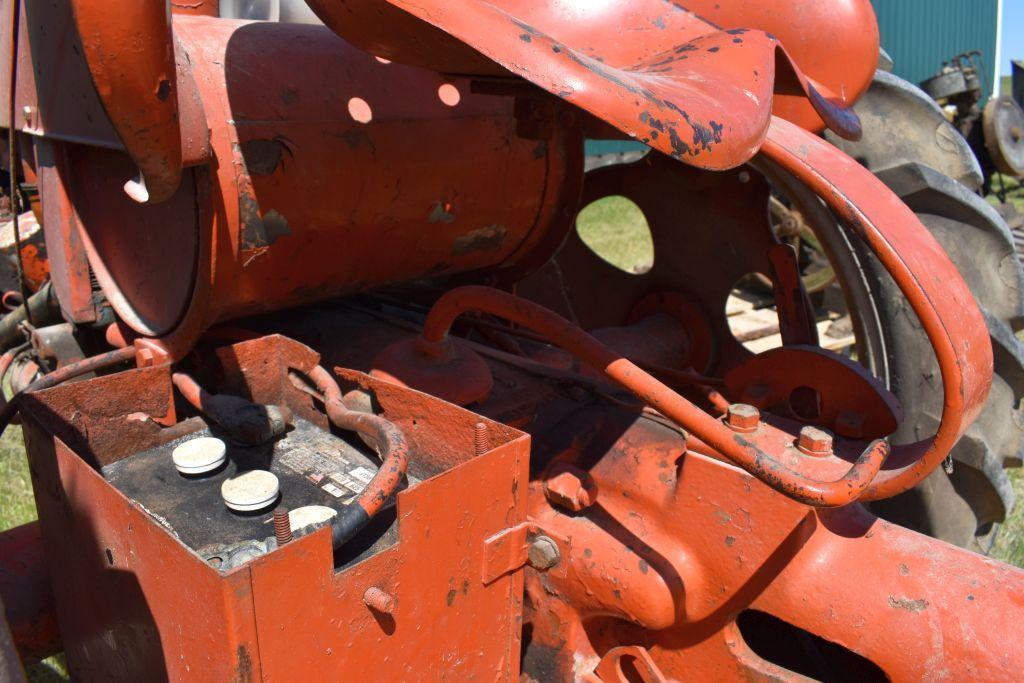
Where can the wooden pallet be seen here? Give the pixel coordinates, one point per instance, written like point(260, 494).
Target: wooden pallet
point(758, 327)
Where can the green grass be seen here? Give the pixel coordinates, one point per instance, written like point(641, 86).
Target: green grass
point(16, 503)
point(1013, 189)
point(1009, 545)
point(615, 228)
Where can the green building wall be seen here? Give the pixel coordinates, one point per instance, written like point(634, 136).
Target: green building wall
point(922, 34)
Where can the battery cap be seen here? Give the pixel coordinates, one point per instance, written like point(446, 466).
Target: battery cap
point(250, 491)
point(198, 456)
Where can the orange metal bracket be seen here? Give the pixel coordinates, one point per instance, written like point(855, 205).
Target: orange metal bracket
point(679, 83)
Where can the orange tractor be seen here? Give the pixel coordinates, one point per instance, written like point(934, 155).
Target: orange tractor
point(324, 384)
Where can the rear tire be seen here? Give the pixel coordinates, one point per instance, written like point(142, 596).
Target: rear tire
point(966, 506)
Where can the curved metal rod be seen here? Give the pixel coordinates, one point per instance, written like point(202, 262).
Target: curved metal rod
point(925, 275)
point(435, 342)
point(391, 447)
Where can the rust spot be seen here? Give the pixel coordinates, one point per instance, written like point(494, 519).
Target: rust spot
point(729, 540)
point(910, 605)
point(262, 157)
point(243, 665)
point(490, 238)
point(904, 570)
point(643, 566)
point(260, 231)
point(451, 597)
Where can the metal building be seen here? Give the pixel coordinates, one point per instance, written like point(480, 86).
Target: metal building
point(922, 34)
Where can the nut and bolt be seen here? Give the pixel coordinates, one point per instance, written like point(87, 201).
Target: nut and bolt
point(282, 526)
point(481, 439)
point(814, 441)
point(743, 417)
point(379, 600)
point(543, 553)
point(571, 488)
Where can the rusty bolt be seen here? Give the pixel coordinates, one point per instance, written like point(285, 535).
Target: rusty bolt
point(743, 417)
point(282, 526)
point(145, 358)
point(379, 600)
point(814, 441)
point(571, 488)
point(543, 553)
point(481, 440)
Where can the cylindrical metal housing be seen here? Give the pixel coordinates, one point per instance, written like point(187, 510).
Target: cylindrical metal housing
point(332, 172)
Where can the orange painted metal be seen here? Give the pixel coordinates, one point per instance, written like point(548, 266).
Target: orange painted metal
point(848, 399)
point(677, 546)
point(130, 52)
point(652, 69)
point(835, 43)
point(280, 166)
point(26, 594)
point(291, 212)
point(164, 613)
point(925, 275)
point(752, 452)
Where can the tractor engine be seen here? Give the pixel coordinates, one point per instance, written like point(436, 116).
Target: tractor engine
point(323, 382)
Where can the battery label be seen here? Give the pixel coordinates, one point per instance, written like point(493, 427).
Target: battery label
point(330, 470)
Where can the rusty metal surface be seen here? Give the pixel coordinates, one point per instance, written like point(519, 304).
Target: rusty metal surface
point(817, 35)
point(660, 562)
point(925, 275)
point(834, 43)
point(26, 594)
point(281, 166)
point(129, 49)
point(262, 226)
point(678, 83)
point(117, 554)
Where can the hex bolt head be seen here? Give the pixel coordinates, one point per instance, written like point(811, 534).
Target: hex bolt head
point(543, 553)
point(379, 600)
point(743, 417)
point(814, 441)
point(571, 489)
point(145, 358)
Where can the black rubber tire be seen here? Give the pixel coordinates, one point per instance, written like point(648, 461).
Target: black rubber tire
point(966, 506)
